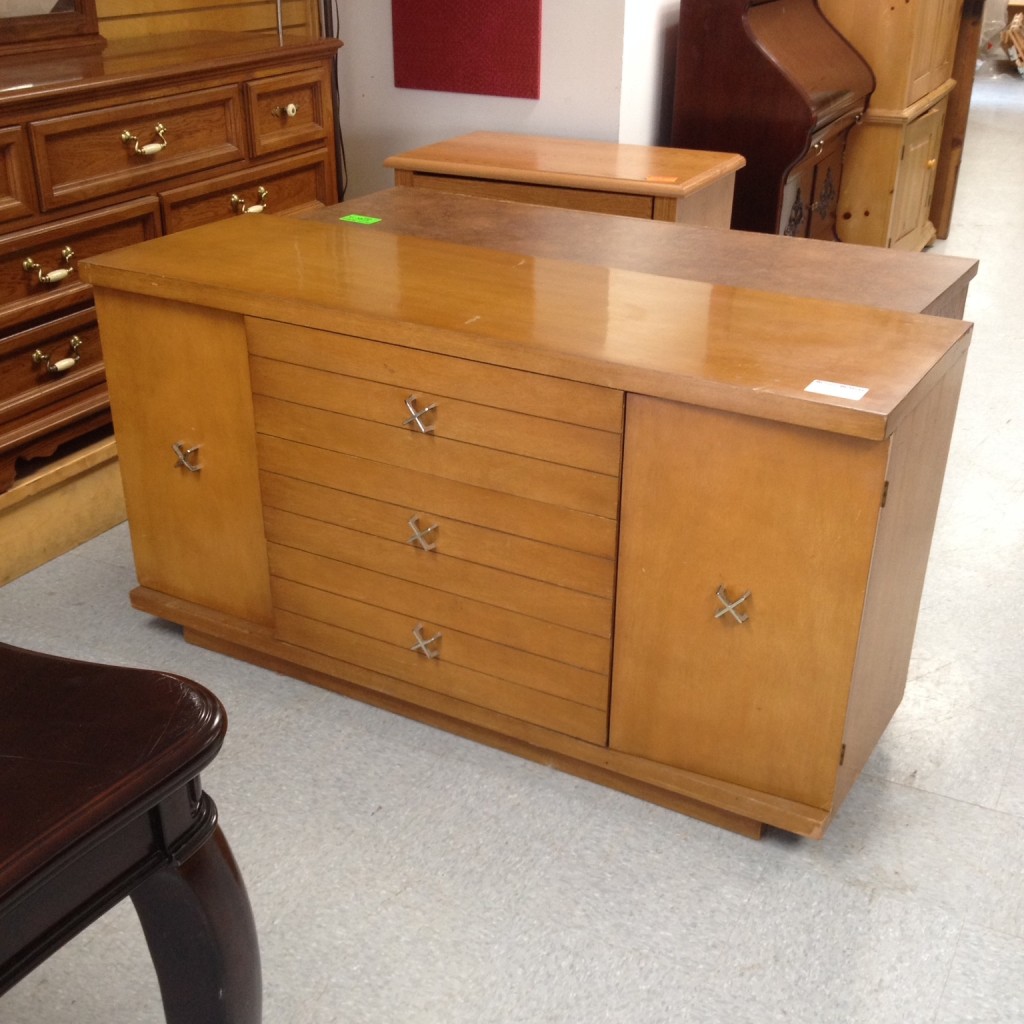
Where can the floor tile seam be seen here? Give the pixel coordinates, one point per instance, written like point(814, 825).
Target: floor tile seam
point(940, 1001)
point(1019, 817)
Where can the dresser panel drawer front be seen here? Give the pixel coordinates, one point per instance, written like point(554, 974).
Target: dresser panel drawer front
point(17, 188)
point(447, 535)
point(84, 156)
point(497, 387)
point(399, 446)
point(69, 360)
point(569, 608)
point(24, 296)
point(473, 635)
point(522, 517)
point(550, 439)
point(298, 183)
point(289, 110)
point(465, 684)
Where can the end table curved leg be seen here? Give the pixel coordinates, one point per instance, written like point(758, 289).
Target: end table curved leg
point(202, 937)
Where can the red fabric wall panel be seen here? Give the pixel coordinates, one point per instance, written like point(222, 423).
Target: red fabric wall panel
point(490, 47)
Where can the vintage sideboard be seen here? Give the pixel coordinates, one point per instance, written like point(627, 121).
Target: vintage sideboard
point(669, 535)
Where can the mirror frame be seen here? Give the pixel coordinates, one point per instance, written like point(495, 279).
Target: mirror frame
point(77, 28)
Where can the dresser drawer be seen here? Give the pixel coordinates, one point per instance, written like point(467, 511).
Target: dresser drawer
point(288, 110)
point(495, 387)
point(552, 483)
point(284, 186)
point(113, 150)
point(410, 517)
point(17, 189)
point(533, 652)
point(37, 267)
point(515, 592)
point(48, 364)
point(387, 643)
point(524, 517)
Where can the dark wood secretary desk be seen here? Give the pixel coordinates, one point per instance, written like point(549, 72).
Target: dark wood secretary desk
point(774, 81)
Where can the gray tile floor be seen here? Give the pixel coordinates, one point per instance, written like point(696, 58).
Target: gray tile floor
point(400, 875)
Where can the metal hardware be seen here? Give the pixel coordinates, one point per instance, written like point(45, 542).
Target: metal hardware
point(62, 365)
point(150, 148)
point(288, 110)
point(885, 493)
point(239, 205)
point(417, 416)
point(185, 457)
point(423, 644)
point(420, 536)
point(731, 606)
point(67, 254)
point(828, 197)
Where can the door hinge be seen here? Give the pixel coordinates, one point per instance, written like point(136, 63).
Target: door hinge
point(842, 754)
point(885, 493)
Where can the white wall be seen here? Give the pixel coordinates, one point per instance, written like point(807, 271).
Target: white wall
point(580, 90)
point(650, 30)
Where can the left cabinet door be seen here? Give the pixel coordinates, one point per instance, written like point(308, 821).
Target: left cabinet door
point(181, 400)
point(745, 547)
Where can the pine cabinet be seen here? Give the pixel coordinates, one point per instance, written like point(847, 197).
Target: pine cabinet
point(627, 524)
point(892, 157)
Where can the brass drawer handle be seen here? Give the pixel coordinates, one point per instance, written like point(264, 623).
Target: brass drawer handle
point(239, 205)
point(425, 644)
point(62, 365)
point(729, 607)
point(288, 110)
point(150, 148)
point(53, 276)
point(186, 456)
point(417, 415)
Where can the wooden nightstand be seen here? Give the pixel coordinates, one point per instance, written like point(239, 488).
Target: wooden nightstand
point(654, 183)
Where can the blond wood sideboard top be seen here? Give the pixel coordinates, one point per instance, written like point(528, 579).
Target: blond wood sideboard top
point(742, 351)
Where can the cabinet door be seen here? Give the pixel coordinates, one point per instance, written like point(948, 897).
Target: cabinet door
point(744, 554)
point(179, 377)
point(931, 56)
point(912, 198)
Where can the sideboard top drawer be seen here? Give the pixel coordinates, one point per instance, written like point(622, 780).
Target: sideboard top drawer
point(102, 152)
point(17, 191)
point(288, 110)
point(39, 268)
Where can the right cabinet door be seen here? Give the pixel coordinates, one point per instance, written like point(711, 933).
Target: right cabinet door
point(745, 548)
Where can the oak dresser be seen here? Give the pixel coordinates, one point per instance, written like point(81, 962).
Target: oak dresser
point(103, 148)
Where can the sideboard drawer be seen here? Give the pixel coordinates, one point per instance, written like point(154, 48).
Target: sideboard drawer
point(115, 149)
point(288, 110)
point(17, 189)
point(289, 185)
point(38, 273)
point(47, 364)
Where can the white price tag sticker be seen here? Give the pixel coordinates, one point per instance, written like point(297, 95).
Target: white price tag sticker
point(834, 390)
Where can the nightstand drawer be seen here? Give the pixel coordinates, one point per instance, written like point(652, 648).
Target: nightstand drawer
point(38, 274)
point(288, 110)
point(17, 189)
point(47, 364)
point(112, 150)
point(284, 186)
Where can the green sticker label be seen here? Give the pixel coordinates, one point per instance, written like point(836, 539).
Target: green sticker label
point(358, 218)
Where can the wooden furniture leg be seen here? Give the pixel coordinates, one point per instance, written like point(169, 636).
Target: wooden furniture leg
point(202, 938)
